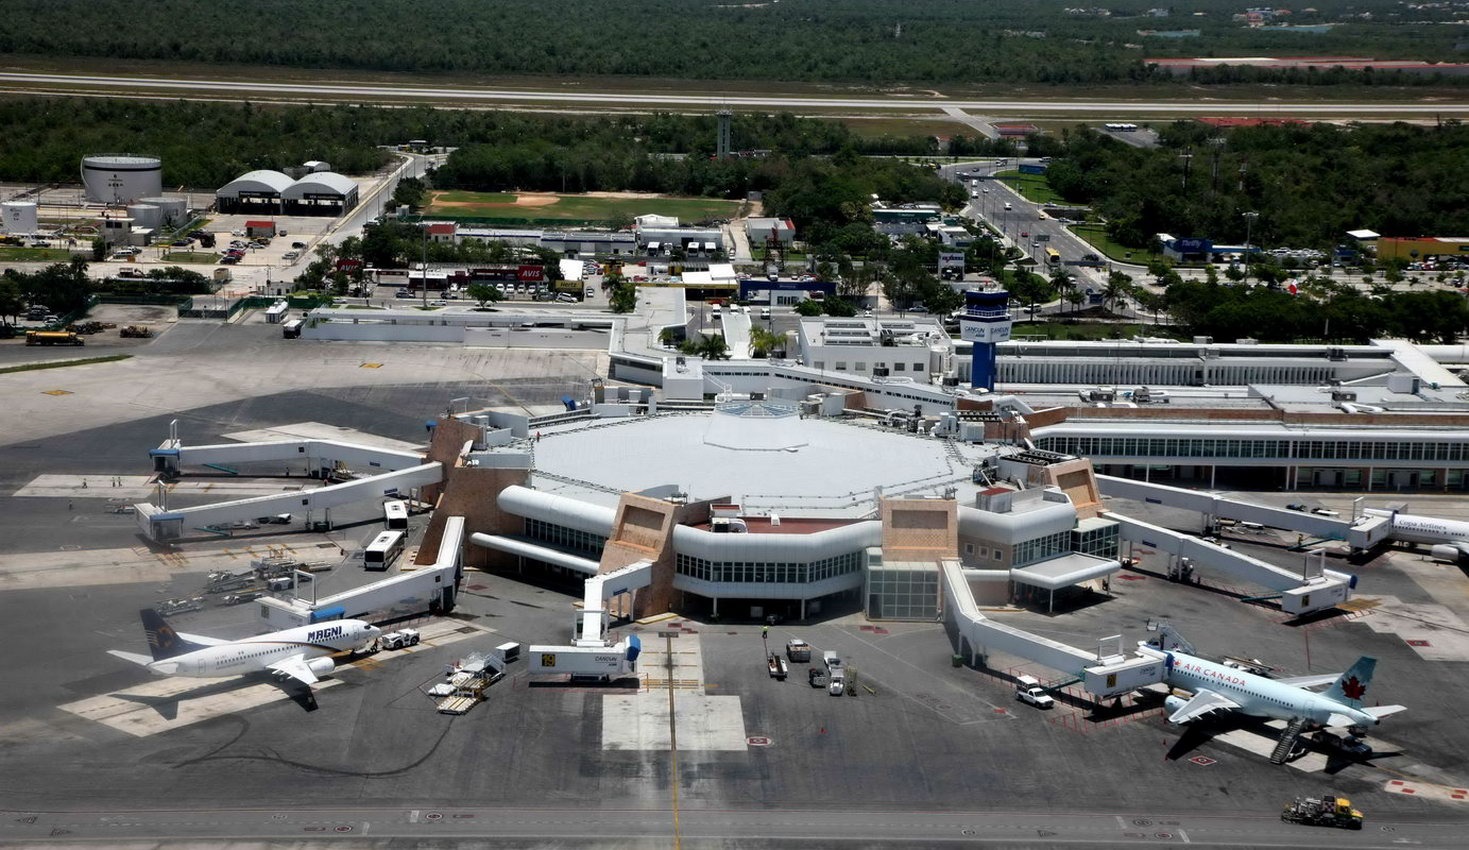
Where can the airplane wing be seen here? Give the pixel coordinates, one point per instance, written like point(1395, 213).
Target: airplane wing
point(203, 640)
point(294, 667)
point(1309, 681)
point(131, 656)
point(1204, 702)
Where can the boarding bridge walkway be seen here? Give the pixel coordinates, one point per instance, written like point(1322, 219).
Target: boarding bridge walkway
point(317, 454)
point(983, 635)
point(162, 524)
point(598, 589)
point(1301, 592)
point(427, 589)
point(1215, 505)
point(1103, 675)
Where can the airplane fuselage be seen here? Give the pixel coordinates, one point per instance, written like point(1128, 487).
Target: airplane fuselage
point(1408, 528)
point(1256, 695)
point(258, 653)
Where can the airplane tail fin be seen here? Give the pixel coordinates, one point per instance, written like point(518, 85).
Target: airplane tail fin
point(1351, 687)
point(163, 641)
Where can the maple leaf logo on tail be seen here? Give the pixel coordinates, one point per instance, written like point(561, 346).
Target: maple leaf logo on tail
point(1353, 688)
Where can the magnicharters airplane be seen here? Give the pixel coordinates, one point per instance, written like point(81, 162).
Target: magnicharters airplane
point(299, 653)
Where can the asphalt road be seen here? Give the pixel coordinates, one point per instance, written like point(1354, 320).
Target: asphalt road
point(727, 828)
point(126, 86)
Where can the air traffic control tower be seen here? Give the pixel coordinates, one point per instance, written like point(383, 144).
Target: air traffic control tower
point(985, 323)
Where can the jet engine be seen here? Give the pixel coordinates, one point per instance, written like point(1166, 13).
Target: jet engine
point(1173, 704)
point(321, 667)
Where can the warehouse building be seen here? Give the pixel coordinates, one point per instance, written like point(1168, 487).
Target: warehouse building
point(253, 192)
point(323, 193)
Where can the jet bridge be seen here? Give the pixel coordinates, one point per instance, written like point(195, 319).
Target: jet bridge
point(1103, 674)
point(318, 457)
point(1302, 592)
point(1215, 505)
point(161, 524)
point(433, 588)
point(590, 653)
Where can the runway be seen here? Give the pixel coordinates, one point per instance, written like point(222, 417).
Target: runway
point(123, 86)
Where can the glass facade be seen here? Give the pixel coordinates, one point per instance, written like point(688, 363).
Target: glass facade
point(565, 538)
point(770, 572)
point(1042, 548)
point(1102, 542)
point(902, 593)
point(1274, 449)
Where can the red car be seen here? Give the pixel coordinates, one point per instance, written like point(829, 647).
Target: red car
point(1025, 234)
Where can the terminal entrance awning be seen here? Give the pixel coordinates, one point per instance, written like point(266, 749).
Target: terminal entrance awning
point(1065, 571)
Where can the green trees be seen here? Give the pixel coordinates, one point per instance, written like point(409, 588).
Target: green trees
point(1308, 183)
point(1012, 41)
point(624, 294)
point(483, 294)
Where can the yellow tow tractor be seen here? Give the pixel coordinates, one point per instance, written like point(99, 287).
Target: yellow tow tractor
point(1323, 811)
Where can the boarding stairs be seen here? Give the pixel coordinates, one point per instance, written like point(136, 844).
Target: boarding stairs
point(1287, 743)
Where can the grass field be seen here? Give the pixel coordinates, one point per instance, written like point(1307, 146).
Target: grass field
point(1097, 235)
point(16, 254)
point(554, 207)
point(1033, 187)
point(191, 257)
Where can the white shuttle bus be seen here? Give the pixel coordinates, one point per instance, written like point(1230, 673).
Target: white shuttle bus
point(395, 515)
point(383, 550)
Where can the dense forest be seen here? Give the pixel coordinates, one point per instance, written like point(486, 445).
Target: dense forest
point(870, 41)
point(1308, 183)
point(205, 145)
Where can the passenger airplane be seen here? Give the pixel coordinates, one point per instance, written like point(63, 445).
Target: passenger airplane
point(298, 653)
point(1217, 687)
point(1449, 538)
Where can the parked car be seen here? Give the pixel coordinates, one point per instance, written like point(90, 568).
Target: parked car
point(297, 244)
point(1296, 506)
point(290, 255)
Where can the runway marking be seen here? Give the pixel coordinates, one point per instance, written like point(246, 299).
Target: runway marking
point(56, 392)
point(1429, 790)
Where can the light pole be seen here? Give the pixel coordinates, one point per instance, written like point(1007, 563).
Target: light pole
point(1249, 226)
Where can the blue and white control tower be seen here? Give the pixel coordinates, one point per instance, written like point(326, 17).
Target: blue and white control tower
point(985, 322)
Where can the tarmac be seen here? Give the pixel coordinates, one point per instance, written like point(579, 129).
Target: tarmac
point(703, 747)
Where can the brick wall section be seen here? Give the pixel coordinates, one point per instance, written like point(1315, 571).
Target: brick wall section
point(643, 530)
point(920, 529)
point(472, 492)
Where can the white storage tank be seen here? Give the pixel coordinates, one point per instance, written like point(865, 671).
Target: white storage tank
point(19, 217)
point(121, 178)
point(146, 215)
point(173, 211)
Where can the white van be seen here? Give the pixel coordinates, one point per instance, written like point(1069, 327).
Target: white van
point(1007, 205)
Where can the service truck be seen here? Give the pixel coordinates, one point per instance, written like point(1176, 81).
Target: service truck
point(836, 673)
point(798, 650)
point(1323, 811)
point(53, 338)
point(1028, 689)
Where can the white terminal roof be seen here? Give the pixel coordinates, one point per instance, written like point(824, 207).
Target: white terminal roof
point(814, 466)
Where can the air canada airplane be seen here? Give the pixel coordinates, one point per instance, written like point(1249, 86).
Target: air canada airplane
point(1221, 688)
point(299, 654)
